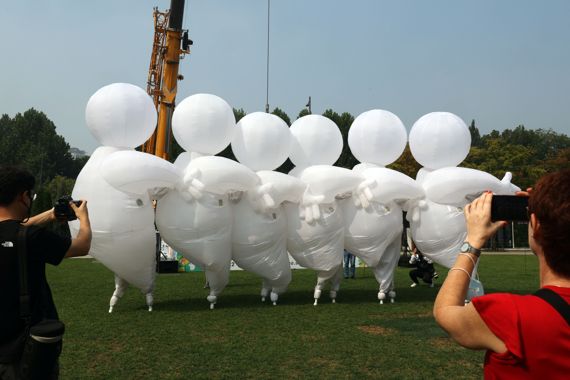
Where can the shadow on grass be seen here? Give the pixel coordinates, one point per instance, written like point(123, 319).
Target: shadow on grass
point(294, 298)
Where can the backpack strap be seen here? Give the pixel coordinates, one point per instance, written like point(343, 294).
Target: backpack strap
point(556, 301)
point(25, 311)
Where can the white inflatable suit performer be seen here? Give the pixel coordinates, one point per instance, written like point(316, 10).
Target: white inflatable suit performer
point(373, 216)
point(196, 218)
point(120, 116)
point(315, 228)
point(440, 141)
point(259, 235)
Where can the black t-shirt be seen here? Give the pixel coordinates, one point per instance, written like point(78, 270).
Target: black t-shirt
point(43, 246)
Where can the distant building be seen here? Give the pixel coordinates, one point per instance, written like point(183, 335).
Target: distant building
point(77, 153)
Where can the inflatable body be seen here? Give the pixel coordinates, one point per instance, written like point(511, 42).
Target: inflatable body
point(259, 240)
point(259, 245)
point(199, 229)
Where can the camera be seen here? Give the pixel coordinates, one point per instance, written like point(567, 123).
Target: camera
point(63, 210)
point(509, 207)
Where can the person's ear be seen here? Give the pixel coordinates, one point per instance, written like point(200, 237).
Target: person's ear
point(534, 225)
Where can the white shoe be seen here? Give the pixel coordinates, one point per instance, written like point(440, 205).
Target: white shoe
point(413, 285)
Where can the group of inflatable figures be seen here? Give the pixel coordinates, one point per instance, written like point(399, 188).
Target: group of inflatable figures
point(211, 209)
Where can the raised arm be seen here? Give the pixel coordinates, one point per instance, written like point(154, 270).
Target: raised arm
point(462, 322)
point(41, 219)
point(82, 243)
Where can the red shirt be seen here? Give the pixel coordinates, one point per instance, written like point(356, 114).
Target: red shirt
point(536, 336)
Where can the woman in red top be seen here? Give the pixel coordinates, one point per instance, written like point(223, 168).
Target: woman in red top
point(525, 337)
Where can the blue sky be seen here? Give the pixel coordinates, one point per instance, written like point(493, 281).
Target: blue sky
point(502, 63)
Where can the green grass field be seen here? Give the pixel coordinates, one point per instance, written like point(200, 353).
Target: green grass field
point(243, 338)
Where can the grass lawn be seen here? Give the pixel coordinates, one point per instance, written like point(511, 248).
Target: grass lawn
point(243, 338)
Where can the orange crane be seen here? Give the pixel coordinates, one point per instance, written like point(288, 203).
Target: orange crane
point(170, 44)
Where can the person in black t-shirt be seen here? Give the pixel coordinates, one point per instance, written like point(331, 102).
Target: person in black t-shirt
point(42, 246)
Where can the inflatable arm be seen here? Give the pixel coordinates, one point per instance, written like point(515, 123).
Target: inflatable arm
point(330, 181)
point(219, 175)
point(458, 186)
point(277, 188)
point(137, 173)
point(384, 185)
point(324, 184)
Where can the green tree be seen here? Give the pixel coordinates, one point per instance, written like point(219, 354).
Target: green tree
point(239, 113)
point(406, 164)
point(59, 186)
point(279, 112)
point(30, 140)
point(475, 135)
point(43, 201)
point(343, 121)
point(303, 112)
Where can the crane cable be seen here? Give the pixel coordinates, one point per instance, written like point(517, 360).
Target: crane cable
point(267, 69)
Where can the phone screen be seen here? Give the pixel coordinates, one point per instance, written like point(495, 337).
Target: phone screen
point(509, 207)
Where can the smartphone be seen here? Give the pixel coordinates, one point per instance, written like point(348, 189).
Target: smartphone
point(509, 207)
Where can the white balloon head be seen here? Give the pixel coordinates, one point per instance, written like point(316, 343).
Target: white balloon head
point(316, 141)
point(203, 123)
point(440, 139)
point(262, 141)
point(121, 115)
point(378, 137)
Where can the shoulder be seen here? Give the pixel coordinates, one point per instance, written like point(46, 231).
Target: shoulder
point(8, 226)
point(501, 308)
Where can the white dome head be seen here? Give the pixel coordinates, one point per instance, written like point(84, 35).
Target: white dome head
point(378, 137)
point(262, 141)
point(440, 139)
point(121, 115)
point(316, 141)
point(203, 123)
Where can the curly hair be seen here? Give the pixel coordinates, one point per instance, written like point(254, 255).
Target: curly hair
point(550, 202)
point(13, 181)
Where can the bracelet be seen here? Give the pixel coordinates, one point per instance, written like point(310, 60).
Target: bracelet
point(461, 269)
point(470, 258)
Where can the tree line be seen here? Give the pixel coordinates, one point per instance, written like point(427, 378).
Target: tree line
point(30, 140)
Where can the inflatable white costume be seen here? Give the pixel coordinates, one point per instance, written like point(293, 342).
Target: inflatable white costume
point(373, 216)
point(120, 116)
point(439, 141)
point(315, 232)
point(196, 219)
point(259, 236)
